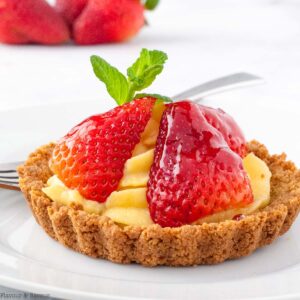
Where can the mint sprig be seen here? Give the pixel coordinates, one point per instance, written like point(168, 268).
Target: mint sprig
point(139, 76)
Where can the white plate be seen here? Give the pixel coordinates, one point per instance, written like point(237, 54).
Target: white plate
point(31, 261)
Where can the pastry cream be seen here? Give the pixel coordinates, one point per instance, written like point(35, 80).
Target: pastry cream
point(128, 205)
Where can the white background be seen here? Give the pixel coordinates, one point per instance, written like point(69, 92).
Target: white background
point(204, 39)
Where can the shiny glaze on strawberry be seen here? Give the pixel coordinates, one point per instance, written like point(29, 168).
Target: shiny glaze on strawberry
point(224, 123)
point(195, 173)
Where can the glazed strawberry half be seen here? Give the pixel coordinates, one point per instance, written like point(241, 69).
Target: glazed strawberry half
point(91, 157)
point(197, 169)
point(195, 172)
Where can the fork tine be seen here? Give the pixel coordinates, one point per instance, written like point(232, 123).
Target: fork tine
point(12, 182)
point(9, 177)
point(7, 171)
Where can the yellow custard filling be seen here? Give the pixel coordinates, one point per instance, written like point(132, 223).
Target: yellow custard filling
point(128, 205)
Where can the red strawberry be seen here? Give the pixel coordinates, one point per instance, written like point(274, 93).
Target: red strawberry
point(70, 9)
point(194, 173)
point(91, 157)
point(228, 127)
point(106, 21)
point(31, 21)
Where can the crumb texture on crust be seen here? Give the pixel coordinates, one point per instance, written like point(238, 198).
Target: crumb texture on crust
point(208, 243)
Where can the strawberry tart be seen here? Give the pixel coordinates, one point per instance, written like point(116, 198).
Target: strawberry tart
point(158, 182)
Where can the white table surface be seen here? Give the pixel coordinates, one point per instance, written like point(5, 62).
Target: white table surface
point(204, 39)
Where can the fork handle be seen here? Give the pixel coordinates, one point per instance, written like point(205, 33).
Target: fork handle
point(219, 85)
point(9, 187)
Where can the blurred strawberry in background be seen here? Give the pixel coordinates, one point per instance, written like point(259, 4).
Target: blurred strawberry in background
point(31, 21)
point(86, 21)
point(70, 9)
point(105, 21)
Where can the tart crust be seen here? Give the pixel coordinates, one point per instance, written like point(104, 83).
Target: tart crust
point(207, 243)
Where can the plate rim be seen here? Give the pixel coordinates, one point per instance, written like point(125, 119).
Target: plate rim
point(57, 292)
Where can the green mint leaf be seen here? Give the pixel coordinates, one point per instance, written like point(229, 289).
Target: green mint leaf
point(151, 4)
point(116, 83)
point(140, 75)
point(157, 96)
point(145, 69)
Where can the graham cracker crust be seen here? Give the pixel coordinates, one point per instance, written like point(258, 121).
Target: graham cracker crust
point(208, 243)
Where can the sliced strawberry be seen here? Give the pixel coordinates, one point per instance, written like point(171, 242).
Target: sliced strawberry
point(91, 157)
point(194, 173)
point(224, 123)
point(108, 21)
point(31, 21)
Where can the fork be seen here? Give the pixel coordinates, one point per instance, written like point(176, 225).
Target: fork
point(9, 175)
